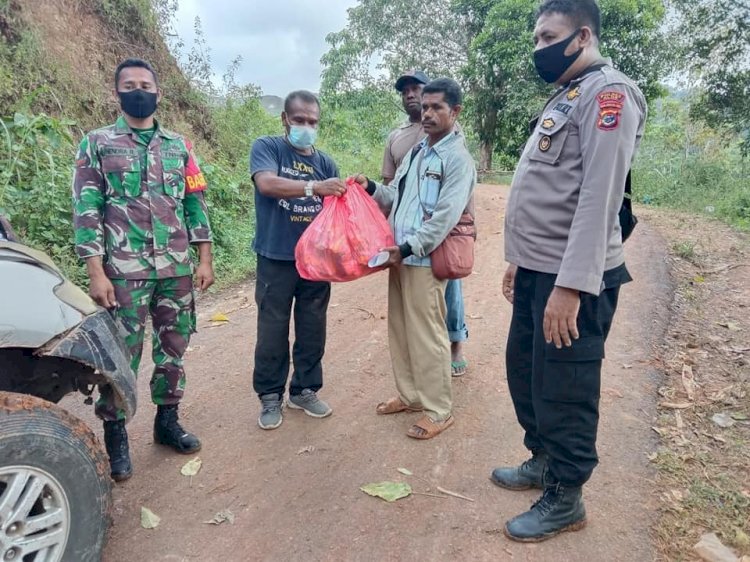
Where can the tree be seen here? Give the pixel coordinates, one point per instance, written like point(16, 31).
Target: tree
point(487, 45)
point(390, 36)
point(503, 81)
point(714, 36)
point(500, 76)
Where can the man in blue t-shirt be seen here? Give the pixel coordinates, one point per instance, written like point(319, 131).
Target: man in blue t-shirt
point(291, 178)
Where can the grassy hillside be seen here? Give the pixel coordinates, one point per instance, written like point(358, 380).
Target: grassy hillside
point(57, 60)
point(58, 57)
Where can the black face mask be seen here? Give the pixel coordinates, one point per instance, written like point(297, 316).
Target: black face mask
point(138, 103)
point(552, 62)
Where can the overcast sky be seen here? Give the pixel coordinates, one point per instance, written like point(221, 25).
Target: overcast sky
point(281, 41)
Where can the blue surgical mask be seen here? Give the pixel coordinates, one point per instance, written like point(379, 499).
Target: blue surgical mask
point(301, 137)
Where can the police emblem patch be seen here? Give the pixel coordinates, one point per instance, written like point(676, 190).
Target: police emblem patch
point(610, 106)
point(574, 93)
point(548, 123)
point(544, 143)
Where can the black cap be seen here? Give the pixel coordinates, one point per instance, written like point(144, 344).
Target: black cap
point(415, 75)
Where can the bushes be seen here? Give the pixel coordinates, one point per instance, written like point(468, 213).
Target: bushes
point(36, 159)
point(687, 165)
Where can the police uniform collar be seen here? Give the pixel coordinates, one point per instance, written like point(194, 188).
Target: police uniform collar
point(596, 65)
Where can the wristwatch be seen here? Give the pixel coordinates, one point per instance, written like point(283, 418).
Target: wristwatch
point(309, 188)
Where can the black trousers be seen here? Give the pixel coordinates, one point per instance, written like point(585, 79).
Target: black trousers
point(555, 392)
point(278, 289)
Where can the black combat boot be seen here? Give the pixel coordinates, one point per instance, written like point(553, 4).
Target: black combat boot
point(524, 477)
point(559, 509)
point(169, 432)
point(116, 442)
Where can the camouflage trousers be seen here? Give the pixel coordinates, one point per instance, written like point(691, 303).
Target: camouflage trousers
point(171, 306)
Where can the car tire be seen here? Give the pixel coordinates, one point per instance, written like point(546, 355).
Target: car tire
point(52, 462)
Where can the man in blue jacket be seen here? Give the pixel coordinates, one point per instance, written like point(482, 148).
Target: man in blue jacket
point(428, 194)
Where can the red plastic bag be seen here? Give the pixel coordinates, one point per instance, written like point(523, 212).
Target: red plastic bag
point(343, 237)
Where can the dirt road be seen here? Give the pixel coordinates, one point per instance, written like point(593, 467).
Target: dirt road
point(295, 491)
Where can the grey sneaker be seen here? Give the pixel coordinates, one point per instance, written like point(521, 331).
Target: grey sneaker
point(310, 403)
point(270, 414)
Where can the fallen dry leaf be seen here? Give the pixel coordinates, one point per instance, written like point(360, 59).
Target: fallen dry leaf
point(149, 519)
point(192, 467)
point(659, 431)
point(220, 317)
point(711, 549)
point(678, 420)
point(688, 381)
point(675, 405)
point(220, 517)
point(308, 449)
point(405, 471)
point(723, 420)
point(731, 326)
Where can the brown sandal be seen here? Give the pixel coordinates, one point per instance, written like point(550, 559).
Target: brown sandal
point(394, 406)
point(427, 428)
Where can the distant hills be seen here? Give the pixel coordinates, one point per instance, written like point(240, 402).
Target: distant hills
point(272, 104)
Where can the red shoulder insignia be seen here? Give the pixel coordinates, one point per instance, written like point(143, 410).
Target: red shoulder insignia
point(610, 106)
point(194, 179)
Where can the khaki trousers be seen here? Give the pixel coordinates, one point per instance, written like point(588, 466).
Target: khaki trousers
point(418, 340)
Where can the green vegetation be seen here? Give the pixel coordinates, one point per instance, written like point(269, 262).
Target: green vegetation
point(485, 45)
point(686, 164)
point(693, 156)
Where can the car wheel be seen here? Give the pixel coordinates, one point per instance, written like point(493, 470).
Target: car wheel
point(55, 490)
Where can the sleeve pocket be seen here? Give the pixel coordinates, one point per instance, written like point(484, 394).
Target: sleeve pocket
point(573, 374)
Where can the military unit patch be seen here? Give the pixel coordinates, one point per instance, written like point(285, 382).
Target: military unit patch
point(610, 106)
point(548, 123)
point(194, 178)
point(544, 143)
point(574, 93)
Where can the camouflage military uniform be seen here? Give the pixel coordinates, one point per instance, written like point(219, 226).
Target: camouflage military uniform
point(140, 206)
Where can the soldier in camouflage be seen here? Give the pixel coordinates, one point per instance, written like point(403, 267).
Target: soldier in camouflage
point(138, 206)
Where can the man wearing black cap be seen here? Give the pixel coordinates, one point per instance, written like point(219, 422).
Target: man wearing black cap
point(401, 140)
point(399, 144)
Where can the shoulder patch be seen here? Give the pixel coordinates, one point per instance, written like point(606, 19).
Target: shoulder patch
point(610, 106)
point(563, 108)
point(194, 178)
point(548, 123)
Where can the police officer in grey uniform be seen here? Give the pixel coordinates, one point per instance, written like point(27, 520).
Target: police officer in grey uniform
point(564, 244)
